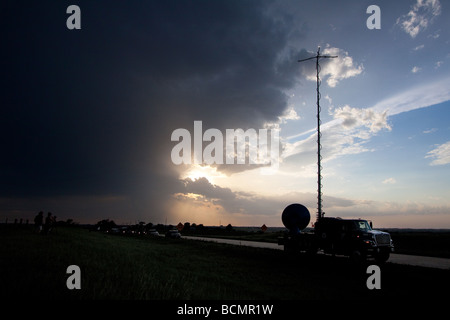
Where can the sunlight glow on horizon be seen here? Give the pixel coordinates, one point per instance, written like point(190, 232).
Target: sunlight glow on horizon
point(195, 172)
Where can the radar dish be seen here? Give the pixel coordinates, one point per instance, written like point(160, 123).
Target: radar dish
point(295, 217)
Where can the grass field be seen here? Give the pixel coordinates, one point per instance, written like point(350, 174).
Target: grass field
point(120, 267)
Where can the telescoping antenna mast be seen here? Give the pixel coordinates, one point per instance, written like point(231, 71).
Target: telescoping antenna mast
point(318, 56)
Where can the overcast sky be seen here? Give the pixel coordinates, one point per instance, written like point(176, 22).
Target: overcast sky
point(87, 115)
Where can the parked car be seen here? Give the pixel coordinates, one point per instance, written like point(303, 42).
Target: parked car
point(153, 233)
point(173, 234)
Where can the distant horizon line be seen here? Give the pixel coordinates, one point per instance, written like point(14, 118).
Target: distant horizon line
point(234, 226)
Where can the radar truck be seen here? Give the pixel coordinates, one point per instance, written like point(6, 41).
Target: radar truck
point(354, 238)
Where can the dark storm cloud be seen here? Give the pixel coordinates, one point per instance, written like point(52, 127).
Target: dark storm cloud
point(90, 111)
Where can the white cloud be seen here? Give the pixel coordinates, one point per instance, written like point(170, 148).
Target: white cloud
point(430, 130)
point(288, 114)
point(440, 154)
point(419, 47)
point(415, 69)
point(347, 134)
point(353, 128)
point(435, 35)
point(355, 117)
point(416, 98)
point(336, 69)
point(419, 17)
point(438, 64)
point(389, 181)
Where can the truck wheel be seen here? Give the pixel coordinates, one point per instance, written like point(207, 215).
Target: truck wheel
point(357, 257)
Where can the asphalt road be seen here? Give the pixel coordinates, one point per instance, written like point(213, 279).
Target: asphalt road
point(429, 262)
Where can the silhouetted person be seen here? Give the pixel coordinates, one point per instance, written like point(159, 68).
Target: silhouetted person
point(39, 221)
point(54, 224)
point(48, 223)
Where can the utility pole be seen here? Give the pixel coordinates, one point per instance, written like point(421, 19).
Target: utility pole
point(318, 56)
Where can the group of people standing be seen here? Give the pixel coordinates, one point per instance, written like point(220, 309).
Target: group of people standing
point(46, 226)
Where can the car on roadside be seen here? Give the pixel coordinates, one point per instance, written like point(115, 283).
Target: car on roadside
point(174, 234)
point(153, 233)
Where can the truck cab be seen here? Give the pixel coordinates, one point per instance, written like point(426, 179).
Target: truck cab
point(352, 237)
